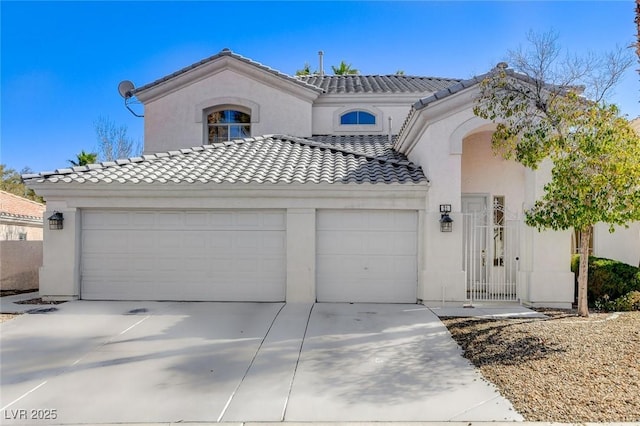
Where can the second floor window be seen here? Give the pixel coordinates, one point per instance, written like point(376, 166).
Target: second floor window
point(228, 124)
point(357, 117)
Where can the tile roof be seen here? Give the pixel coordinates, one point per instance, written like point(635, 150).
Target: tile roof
point(441, 94)
point(370, 145)
point(12, 205)
point(263, 159)
point(465, 84)
point(223, 53)
point(377, 83)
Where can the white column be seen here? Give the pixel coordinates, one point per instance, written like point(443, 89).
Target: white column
point(443, 277)
point(60, 271)
point(301, 255)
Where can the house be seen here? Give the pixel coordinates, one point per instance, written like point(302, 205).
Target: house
point(20, 242)
point(624, 243)
point(259, 186)
point(20, 218)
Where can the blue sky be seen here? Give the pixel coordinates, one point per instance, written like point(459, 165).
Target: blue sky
point(61, 62)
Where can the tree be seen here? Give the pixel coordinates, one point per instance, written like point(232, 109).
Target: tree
point(11, 181)
point(113, 142)
point(84, 158)
point(638, 31)
point(343, 69)
point(595, 155)
point(306, 70)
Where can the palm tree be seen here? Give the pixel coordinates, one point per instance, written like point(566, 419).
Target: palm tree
point(344, 69)
point(306, 70)
point(84, 158)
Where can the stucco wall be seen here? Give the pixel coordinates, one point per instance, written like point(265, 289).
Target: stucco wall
point(622, 245)
point(19, 264)
point(545, 278)
point(11, 232)
point(60, 274)
point(175, 120)
point(326, 118)
point(483, 172)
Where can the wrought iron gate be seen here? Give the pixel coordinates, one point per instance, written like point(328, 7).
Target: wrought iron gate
point(491, 254)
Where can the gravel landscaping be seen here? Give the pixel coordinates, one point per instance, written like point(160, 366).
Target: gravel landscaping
point(562, 369)
point(7, 317)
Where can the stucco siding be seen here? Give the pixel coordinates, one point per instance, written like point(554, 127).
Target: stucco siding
point(622, 245)
point(175, 120)
point(483, 172)
point(12, 232)
point(326, 118)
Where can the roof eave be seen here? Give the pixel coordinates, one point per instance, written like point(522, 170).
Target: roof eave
point(427, 111)
point(218, 63)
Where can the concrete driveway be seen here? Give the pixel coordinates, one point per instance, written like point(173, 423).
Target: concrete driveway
point(110, 362)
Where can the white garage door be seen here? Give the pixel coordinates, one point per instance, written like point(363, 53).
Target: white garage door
point(367, 256)
point(183, 255)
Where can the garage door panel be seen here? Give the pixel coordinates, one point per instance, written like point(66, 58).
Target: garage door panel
point(337, 242)
point(146, 219)
point(198, 220)
point(366, 256)
point(182, 255)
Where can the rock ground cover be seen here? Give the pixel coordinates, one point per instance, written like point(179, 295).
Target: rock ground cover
point(563, 369)
point(7, 317)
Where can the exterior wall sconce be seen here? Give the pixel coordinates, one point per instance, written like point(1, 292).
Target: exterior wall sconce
point(56, 221)
point(446, 223)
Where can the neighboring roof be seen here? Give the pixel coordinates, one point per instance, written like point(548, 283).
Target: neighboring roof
point(225, 53)
point(14, 206)
point(635, 124)
point(263, 159)
point(377, 83)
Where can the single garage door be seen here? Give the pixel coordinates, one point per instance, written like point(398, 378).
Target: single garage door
point(183, 255)
point(367, 256)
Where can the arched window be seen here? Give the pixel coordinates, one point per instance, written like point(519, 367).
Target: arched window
point(228, 124)
point(357, 117)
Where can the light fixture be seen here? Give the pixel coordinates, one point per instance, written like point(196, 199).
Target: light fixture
point(446, 223)
point(55, 221)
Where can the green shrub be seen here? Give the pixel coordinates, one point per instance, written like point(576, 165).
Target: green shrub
point(628, 302)
point(575, 263)
point(608, 281)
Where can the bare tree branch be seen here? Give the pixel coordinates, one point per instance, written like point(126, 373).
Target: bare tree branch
point(113, 142)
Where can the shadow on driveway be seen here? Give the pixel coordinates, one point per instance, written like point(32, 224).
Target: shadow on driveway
point(176, 361)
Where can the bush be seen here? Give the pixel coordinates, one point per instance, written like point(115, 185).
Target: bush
point(628, 302)
point(611, 284)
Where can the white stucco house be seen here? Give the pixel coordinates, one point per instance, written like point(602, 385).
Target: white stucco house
point(259, 186)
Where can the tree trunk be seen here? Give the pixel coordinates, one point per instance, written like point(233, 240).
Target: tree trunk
point(583, 275)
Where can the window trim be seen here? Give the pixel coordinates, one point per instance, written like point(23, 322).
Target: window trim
point(228, 125)
point(358, 113)
point(204, 108)
point(378, 127)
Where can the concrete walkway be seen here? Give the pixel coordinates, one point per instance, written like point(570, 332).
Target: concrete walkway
point(486, 310)
point(8, 304)
point(141, 362)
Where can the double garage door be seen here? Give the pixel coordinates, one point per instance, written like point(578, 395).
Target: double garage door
point(361, 256)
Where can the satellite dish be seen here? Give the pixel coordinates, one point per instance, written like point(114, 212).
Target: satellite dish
point(125, 88)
